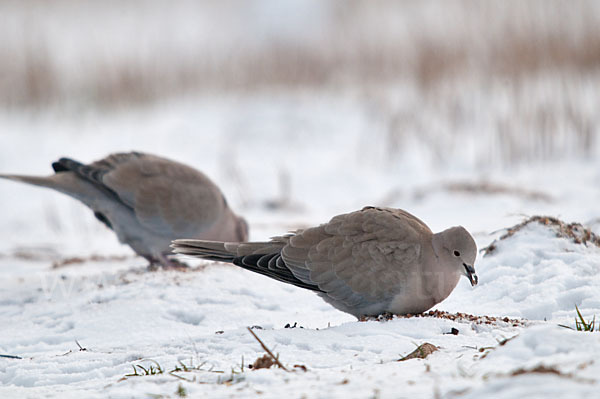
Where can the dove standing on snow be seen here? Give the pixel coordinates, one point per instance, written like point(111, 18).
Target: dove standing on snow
point(365, 263)
point(148, 201)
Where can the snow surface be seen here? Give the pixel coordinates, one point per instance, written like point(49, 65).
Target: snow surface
point(328, 162)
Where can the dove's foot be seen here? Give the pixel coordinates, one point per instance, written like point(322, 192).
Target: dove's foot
point(385, 316)
point(166, 264)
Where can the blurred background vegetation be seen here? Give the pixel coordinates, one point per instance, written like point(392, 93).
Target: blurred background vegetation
point(521, 77)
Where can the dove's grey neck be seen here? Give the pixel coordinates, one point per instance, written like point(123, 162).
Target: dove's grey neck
point(437, 241)
point(431, 284)
point(445, 275)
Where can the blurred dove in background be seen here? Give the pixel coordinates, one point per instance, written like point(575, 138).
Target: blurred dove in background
point(365, 263)
point(148, 201)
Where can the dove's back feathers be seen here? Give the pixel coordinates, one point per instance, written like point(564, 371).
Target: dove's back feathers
point(147, 200)
point(365, 262)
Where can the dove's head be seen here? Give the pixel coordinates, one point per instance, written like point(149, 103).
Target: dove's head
point(456, 247)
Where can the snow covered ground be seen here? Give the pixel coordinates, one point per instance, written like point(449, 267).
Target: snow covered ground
point(289, 161)
point(460, 113)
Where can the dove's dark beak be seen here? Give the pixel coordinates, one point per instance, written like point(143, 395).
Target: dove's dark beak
point(470, 273)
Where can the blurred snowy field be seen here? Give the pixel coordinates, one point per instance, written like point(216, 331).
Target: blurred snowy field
point(330, 160)
point(418, 107)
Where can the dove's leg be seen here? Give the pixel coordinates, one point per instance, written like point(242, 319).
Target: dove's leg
point(167, 263)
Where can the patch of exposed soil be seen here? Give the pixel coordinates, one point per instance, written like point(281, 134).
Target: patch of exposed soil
point(451, 316)
point(466, 187)
point(484, 188)
point(488, 188)
point(76, 260)
point(541, 369)
point(572, 231)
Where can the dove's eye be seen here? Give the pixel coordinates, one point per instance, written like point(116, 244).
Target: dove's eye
point(456, 253)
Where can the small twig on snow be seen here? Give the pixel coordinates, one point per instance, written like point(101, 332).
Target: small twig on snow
point(275, 359)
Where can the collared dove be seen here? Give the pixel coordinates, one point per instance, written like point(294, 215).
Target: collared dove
point(365, 263)
point(148, 201)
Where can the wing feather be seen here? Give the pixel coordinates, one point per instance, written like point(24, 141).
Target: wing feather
point(167, 197)
point(360, 256)
point(358, 259)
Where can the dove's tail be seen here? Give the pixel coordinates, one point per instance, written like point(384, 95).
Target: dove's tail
point(42, 181)
point(258, 257)
point(52, 181)
point(210, 250)
point(66, 183)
